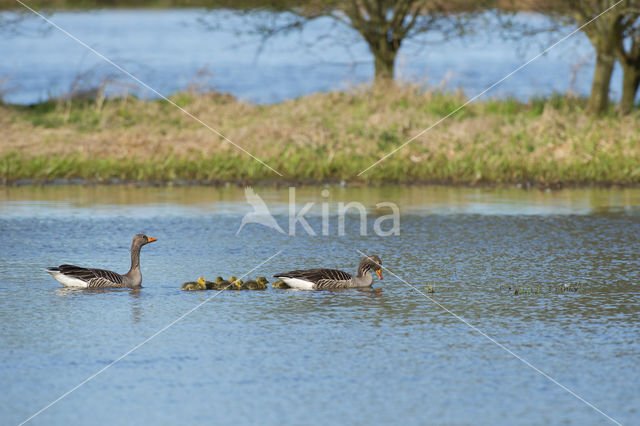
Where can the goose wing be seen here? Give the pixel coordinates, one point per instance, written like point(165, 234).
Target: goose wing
point(94, 277)
point(316, 275)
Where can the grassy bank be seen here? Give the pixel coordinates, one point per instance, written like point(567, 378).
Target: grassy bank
point(321, 137)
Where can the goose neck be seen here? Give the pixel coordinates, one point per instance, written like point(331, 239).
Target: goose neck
point(135, 256)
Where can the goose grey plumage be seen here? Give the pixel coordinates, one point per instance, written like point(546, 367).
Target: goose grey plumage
point(76, 276)
point(328, 279)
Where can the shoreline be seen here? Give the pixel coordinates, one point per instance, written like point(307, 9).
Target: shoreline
point(323, 138)
point(525, 186)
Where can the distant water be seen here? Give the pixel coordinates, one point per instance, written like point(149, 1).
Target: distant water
point(168, 49)
point(294, 357)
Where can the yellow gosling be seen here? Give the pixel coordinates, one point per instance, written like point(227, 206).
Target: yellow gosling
point(193, 286)
point(280, 284)
point(252, 285)
point(262, 283)
point(223, 285)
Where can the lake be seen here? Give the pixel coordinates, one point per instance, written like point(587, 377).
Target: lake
point(282, 356)
point(174, 50)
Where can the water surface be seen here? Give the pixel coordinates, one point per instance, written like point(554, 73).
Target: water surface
point(316, 357)
point(172, 50)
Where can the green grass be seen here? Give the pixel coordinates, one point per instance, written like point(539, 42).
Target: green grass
point(305, 167)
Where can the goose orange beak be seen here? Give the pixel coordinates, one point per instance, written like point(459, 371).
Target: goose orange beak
point(379, 273)
point(151, 239)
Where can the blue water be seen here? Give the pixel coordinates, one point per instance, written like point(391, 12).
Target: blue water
point(172, 50)
point(292, 357)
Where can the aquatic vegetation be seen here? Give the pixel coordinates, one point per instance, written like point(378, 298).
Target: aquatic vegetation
point(538, 289)
point(526, 290)
point(568, 288)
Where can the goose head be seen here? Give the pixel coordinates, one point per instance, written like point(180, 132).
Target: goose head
point(141, 240)
point(371, 262)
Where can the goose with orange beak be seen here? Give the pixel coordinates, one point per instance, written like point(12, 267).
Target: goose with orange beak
point(332, 279)
point(78, 277)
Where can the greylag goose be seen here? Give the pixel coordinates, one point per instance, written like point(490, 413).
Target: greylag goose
point(75, 276)
point(327, 279)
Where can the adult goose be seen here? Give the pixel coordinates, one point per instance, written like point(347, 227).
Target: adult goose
point(75, 276)
point(328, 279)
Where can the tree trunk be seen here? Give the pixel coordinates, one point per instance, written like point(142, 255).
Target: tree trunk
point(630, 83)
point(383, 26)
point(599, 98)
point(384, 65)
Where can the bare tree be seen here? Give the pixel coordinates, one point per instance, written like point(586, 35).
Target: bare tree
point(13, 22)
point(383, 24)
point(628, 53)
point(604, 31)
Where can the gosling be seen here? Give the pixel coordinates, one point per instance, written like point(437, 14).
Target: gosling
point(280, 284)
point(259, 284)
point(262, 283)
point(209, 284)
point(222, 284)
point(195, 285)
